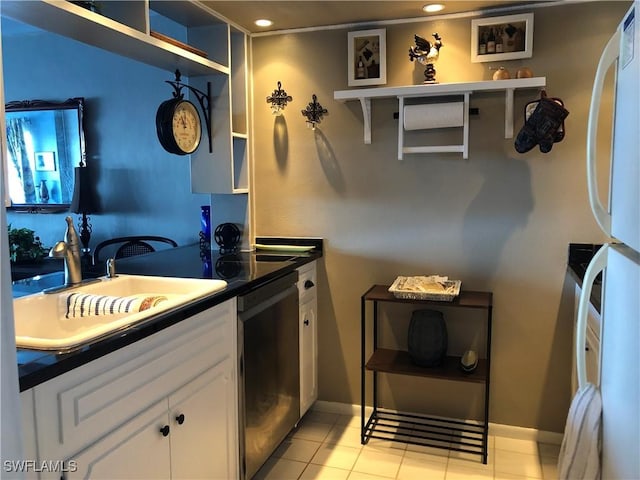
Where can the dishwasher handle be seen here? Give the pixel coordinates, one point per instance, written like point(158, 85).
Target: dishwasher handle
point(266, 295)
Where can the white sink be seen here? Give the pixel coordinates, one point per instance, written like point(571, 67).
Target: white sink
point(41, 321)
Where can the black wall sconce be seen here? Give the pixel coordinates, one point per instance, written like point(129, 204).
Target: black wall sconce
point(279, 100)
point(314, 112)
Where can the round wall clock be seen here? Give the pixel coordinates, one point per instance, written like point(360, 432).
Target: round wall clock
point(178, 125)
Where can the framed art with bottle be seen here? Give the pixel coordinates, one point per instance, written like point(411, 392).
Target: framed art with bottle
point(367, 57)
point(496, 39)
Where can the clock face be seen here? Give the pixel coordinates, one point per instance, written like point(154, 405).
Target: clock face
point(185, 126)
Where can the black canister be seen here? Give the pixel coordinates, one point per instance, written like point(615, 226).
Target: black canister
point(427, 338)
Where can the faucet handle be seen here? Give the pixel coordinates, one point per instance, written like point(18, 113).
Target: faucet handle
point(111, 268)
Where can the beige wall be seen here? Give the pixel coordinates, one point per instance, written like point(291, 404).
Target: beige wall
point(499, 221)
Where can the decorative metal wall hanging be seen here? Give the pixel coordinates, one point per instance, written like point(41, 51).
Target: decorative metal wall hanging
point(170, 110)
point(314, 112)
point(279, 100)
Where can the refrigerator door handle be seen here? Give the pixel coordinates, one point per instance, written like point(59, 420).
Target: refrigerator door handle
point(608, 58)
point(597, 264)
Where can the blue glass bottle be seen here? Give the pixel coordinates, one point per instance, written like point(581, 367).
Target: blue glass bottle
point(205, 223)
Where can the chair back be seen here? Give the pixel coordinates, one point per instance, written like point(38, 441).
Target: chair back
point(131, 246)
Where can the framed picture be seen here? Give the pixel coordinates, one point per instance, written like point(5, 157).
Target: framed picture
point(496, 39)
point(367, 60)
point(45, 161)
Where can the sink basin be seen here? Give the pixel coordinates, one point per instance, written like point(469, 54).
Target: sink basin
point(41, 321)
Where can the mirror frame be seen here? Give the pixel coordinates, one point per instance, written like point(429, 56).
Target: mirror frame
point(76, 103)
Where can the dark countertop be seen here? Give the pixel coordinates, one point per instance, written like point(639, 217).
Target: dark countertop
point(243, 271)
point(580, 254)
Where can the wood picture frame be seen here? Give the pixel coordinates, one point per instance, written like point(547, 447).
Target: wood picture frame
point(495, 39)
point(367, 57)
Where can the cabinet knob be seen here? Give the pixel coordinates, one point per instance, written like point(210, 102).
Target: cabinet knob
point(180, 419)
point(306, 322)
point(309, 284)
point(165, 430)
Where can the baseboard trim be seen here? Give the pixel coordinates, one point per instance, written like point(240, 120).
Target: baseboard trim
point(498, 429)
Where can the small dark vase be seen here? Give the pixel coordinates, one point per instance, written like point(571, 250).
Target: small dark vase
point(427, 338)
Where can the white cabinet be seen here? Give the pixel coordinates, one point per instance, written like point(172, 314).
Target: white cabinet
point(136, 450)
point(307, 281)
point(203, 426)
point(107, 417)
point(182, 437)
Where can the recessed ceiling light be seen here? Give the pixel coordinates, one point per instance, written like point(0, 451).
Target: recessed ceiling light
point(433, 7)
point(263, 22)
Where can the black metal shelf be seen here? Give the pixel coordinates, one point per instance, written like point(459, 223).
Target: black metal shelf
point(431, 431)
point(426, 431)
point(398, 361)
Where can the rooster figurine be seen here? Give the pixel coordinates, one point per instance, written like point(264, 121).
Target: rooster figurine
point(427, 54)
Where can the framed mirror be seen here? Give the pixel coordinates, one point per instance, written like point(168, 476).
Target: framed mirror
point(45, 141)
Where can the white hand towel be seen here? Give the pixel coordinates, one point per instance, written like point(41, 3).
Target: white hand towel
point(580, 451)
point(85, 304)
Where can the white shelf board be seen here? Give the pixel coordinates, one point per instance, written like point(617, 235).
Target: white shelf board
point(434, 149)
point(439, 89)
point(69, 20)
point(365, 95)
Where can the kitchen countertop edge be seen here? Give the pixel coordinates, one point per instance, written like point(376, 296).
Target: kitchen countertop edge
point(155, 324)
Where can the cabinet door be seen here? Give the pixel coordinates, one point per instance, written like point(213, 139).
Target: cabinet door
point(137, 450)
point(203, 425)
point(308, 354)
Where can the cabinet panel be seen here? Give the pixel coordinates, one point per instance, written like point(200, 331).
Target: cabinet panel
point(136, 450)
point(203, 421)
point(27, 409)
point(212, 172)
point(239, 86)
point(308, 355)
point(308, 328)
point(592, 344)
point(240, 163)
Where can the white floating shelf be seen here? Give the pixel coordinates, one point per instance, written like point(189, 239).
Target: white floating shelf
point(70, 20)
point(365, 95)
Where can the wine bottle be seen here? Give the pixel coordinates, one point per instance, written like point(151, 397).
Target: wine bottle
point(491, 42)
point(482, 48)
point(360, 71)
point(499, 43)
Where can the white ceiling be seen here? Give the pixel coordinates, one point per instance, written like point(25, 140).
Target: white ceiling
point(310, 13)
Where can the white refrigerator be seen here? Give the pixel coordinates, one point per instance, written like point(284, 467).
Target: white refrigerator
point(619, 259)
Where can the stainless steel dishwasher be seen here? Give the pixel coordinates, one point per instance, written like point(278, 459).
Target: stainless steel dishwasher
point(269, 366)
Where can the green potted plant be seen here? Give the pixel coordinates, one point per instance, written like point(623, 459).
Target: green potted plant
point(25, 247)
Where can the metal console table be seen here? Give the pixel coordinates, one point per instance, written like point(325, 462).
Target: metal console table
point(421, 429)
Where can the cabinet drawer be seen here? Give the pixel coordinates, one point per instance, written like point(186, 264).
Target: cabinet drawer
point(75, 409)
point(307, 280)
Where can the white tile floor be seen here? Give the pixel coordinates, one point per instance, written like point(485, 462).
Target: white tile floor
point(326, 446)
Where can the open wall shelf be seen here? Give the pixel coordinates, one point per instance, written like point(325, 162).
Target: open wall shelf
point(463, 89)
